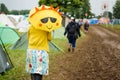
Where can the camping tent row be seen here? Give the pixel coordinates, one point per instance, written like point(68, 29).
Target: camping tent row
point(15, 21)
point(10, 36)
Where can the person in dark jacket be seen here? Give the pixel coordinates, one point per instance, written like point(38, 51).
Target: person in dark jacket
point(72, 34)
point(86, 26)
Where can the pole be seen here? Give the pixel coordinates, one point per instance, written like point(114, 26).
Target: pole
point(0, 7)
point(112, 14)
point(106, 10)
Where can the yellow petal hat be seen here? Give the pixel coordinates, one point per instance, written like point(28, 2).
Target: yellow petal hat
point(45, 18)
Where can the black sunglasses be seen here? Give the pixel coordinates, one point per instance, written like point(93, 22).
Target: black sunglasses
point(45, 20)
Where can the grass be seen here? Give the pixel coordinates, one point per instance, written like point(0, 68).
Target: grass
point(114, 28)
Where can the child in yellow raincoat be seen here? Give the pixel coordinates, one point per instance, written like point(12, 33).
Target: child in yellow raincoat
point(43, 20)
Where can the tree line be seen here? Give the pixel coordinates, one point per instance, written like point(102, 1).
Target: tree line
point(4, 9)
point(76, 8)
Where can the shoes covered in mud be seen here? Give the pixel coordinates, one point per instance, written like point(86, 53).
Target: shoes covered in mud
point(73, 49)
point(68, 49)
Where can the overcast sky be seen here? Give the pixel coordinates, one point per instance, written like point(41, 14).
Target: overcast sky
point(20, 4)
point(96, 5)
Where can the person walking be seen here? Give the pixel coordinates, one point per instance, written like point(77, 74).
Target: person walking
point(86, 27)
point(39, 34)
point(37, 53)
point(72, 31)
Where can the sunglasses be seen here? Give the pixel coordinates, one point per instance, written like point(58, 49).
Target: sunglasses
point(45, 20)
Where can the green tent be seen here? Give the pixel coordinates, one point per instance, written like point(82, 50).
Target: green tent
point(7, 36)
point(22, 43)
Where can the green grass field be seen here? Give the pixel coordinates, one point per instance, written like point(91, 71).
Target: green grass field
point(114, 28)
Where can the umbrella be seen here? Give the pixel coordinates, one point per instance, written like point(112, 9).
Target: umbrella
point(45, 18)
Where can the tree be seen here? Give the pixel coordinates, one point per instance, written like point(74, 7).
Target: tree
point(69, 7)
point(3, 9)
point(64, 5)
point(107, 14)
point(116, 9)
point(86, 9)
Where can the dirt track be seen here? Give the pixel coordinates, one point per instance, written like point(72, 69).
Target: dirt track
point(97, 57)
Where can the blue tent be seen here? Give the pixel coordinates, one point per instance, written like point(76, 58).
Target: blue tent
point(94, 21)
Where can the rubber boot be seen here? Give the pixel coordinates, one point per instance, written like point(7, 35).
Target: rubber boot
point(73, 49)
point(32, 77)
point(36, 77)
point(69, 48)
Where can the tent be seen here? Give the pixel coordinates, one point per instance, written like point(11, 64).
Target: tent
point(7, 36)
point(116, 21)
point(23, 25)
point(5, 62)
point(6, 21)
point(13, 20)
point(94, 21)
point(17, 18)
point(22, 43)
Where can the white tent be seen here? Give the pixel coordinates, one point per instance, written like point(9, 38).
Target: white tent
point(18, 18)
point(23, 26)
point(6, 21)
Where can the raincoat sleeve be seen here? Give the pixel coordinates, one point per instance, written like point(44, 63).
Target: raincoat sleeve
point(49, 36)
point(28, 33)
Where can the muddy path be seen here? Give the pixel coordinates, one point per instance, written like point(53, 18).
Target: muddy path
point(97, 57)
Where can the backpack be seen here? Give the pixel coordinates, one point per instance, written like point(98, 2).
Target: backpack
point(72, 30)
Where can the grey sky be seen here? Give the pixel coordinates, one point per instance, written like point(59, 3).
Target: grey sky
point(96, 5)
point(20, 4)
